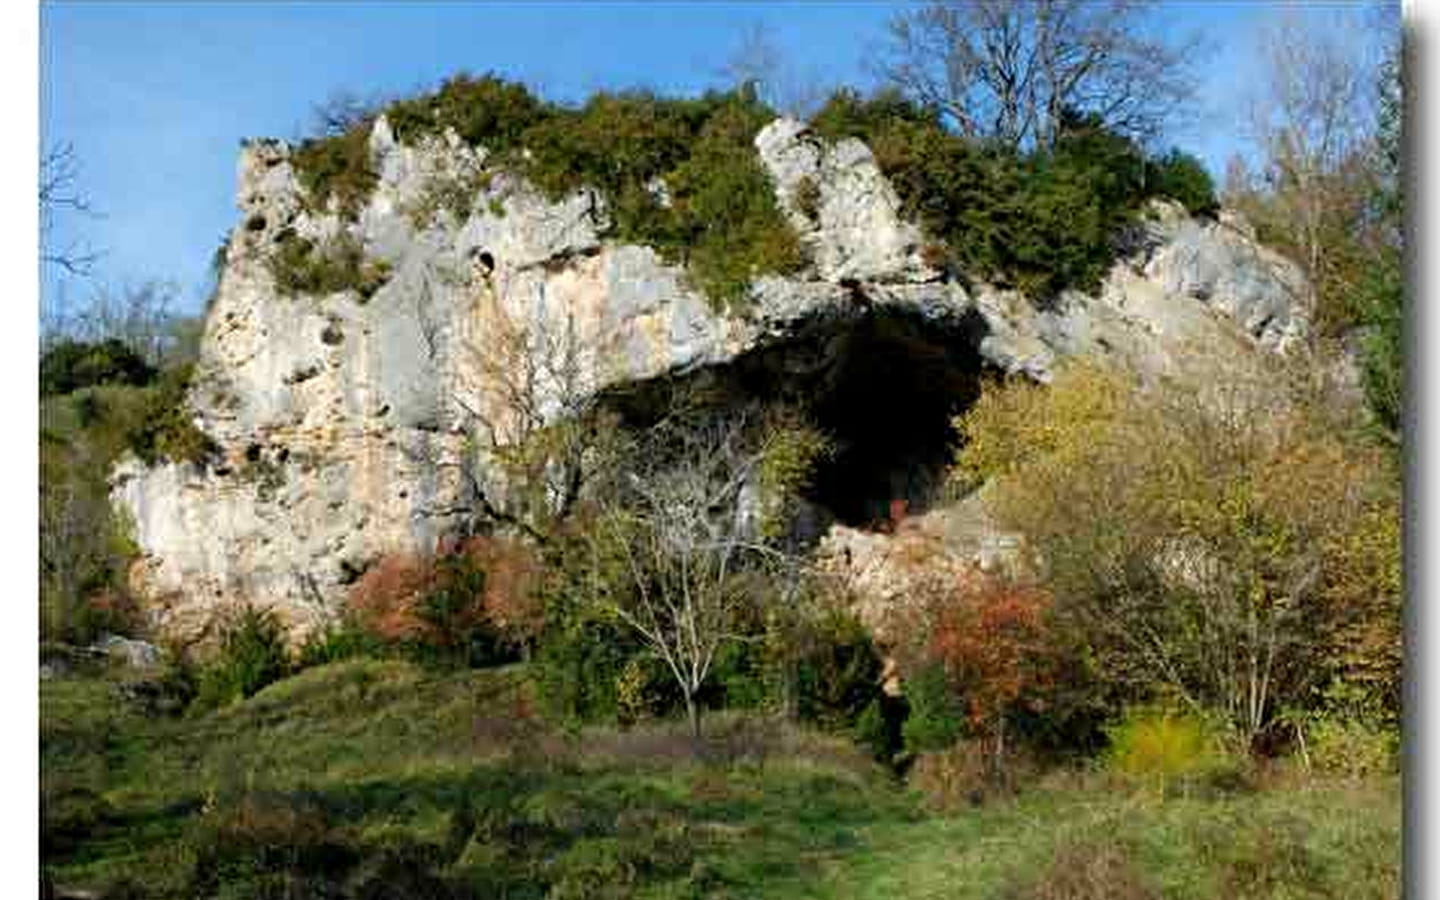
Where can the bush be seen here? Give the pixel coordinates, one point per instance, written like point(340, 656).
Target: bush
point(1170, 515)
point(1353, 734)
point(807, 198)
point(302, 266)
point(1182, 177)
point(936, 714)
point(838, 672)
point(486, 111)
point(336, 642)
point(966, 773)
point(451, 192)
point(167, 430)
point(337, 170)
point(430, 608)
point(1159, 748)
point(580, 666)
point(265, 844)
point(71, 365)
point(1351, 748)
point(69, 815)
point(1091, 869)
point(252, 654)
point(742, 679)
point(1042, 222)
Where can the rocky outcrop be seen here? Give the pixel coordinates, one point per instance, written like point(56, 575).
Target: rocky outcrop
point(347, 426)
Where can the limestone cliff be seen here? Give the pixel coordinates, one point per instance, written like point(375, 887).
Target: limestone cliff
point(341, 419)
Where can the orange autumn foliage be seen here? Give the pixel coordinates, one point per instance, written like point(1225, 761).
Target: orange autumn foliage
point(493, 581)
point(385, 601)
point(992, 638)
point(512, 601)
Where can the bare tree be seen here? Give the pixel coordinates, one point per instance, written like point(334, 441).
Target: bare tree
point(342, 110)
point(1007, 69)
point(1310, 117)
point(679, 540)
point(60, 193)
point(536, 435)
point(757, 61)
point(143, 317)
point(687, 525)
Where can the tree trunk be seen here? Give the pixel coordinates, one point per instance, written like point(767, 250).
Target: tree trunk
point(692, 710)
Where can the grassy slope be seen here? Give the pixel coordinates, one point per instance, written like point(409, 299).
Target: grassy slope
point(450, 781)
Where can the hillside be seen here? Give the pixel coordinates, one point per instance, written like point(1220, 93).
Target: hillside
point(375, 779)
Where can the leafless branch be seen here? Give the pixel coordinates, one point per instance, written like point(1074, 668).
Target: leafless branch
point(59, 192)
point(1007, 69)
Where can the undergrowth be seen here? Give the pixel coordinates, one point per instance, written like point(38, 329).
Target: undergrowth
point(379, 778)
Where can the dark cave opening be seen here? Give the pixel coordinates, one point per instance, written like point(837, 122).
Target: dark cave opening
point(885, 385)
point(889, 400)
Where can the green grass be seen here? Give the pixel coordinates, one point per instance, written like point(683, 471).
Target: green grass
point(365, 773)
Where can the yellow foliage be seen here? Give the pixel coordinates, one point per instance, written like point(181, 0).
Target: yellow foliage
point(1192, 527)
point(1159, 747)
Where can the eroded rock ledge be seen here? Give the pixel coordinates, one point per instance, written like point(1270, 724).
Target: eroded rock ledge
point(340, 421)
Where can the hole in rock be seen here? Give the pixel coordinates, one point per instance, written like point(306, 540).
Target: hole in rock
point(885, 385)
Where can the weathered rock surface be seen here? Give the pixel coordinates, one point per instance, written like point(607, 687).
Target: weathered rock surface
point(342, 422)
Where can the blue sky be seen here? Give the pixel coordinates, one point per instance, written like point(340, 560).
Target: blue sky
point(156, 97)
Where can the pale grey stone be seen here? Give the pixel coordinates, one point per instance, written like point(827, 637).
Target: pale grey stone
point(364, 454)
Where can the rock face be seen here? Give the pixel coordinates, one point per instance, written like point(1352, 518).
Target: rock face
point(343, 423)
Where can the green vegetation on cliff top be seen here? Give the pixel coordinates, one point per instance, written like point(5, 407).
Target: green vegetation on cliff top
point(682, 175)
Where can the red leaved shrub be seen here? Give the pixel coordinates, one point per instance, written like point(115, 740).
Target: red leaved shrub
point(386, 600)
point(482, 582)
point(990, 635)
point(512, 600)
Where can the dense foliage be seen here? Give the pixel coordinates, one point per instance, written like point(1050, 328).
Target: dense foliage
point(1043, 220)
point(677, 174)
point(85, 545)
point(71, 365)
point(1208, 546)
point(1381, 296)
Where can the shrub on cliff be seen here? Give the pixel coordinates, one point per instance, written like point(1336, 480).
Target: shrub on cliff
point(678, 174)
point(485, 111)
point(1180, 176)
point(302, 266)
point(1043, 220)
point(337, 169)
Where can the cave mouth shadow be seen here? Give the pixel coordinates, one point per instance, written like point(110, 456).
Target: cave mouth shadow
point(885, 385)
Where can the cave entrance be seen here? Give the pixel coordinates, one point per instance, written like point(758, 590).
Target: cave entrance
point(885, 385)
point(888, 397)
